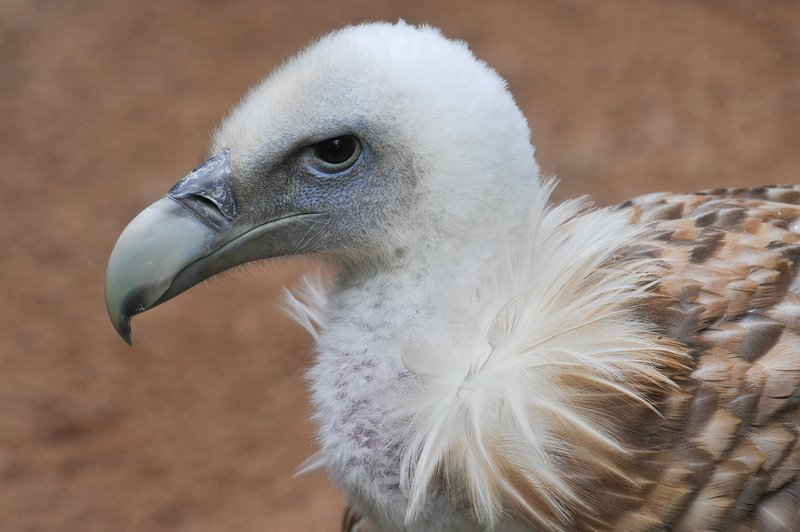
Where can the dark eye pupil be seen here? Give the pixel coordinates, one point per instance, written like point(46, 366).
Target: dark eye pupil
point(336, 150)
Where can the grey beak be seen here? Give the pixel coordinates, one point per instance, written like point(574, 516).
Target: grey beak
point(193, 233)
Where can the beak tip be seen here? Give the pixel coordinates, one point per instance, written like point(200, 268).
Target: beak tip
point(122, 324)
point(121, 311)
point(127, 337)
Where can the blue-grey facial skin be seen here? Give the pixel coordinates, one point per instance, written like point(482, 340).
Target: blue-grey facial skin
point(358, 201)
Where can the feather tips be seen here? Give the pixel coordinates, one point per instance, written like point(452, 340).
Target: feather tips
point(307, 305)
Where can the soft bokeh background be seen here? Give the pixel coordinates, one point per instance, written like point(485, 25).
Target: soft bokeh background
point(105, 104)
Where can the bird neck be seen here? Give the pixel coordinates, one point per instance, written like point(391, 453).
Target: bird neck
point(453, 240)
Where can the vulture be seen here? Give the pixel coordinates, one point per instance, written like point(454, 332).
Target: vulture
point(487, 358)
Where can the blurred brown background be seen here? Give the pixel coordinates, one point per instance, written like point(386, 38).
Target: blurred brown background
point(105, 104)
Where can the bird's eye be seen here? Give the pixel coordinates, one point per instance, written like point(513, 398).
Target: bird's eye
point(338, 153)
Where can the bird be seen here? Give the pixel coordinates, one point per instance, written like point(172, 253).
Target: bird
point(487, 358)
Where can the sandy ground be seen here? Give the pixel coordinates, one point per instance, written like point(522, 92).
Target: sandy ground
point(104, 105)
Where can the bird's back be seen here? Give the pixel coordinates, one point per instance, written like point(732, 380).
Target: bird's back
point(726, 454)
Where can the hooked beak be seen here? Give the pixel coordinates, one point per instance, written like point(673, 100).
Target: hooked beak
point(196, 231)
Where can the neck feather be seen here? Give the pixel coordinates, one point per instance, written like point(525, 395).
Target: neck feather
point(524, 353)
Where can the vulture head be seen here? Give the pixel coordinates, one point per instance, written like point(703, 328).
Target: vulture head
point(376, 144)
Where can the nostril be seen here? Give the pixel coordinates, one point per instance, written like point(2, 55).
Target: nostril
point(206, 209)
point(205, 202)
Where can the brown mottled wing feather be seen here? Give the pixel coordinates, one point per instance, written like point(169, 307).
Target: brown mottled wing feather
point(352, 522)
point(726, 454)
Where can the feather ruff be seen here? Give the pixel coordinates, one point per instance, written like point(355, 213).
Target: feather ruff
point(515, 382)
point(513, 386)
